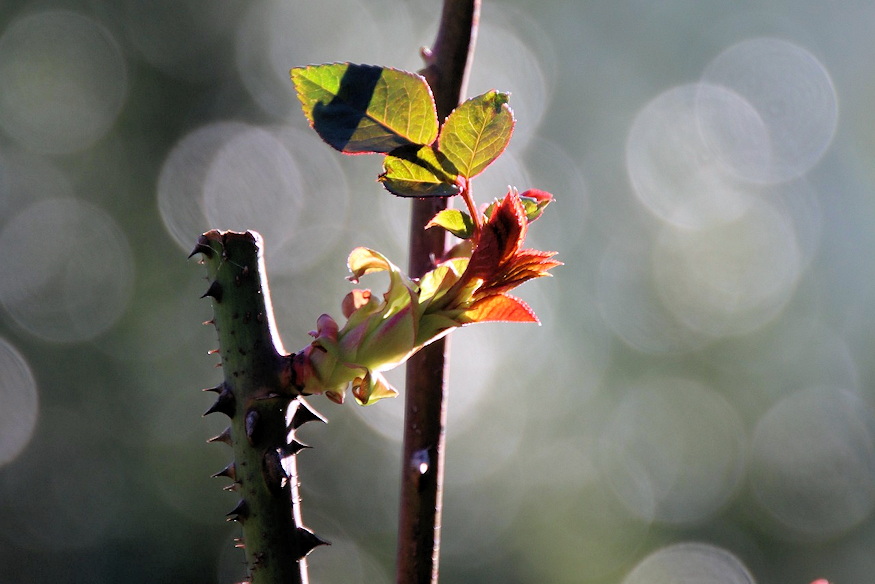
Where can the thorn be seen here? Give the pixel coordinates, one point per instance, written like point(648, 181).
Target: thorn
point(294, 447)
point(426, 55)
point(239, 513)
point(217, 389)
point(224, 403)
point(214, 291)
point(208, 322)
point(252, 426)
point(202, 246)
point(229, 471)
point(231, 487)
point(304, 413)
point(225, 436)
point(305, 541)
point(238, 543)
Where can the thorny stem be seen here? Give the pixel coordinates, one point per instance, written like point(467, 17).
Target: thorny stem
point(258, 394)
point(418, 551)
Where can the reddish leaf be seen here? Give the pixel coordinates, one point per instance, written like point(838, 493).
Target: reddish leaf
point(501, 308)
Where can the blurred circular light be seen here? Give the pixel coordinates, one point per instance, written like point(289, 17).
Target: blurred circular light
point(731, 278)
point(813, 464)
point(577, 534)
point(68, 270)
point(673, 451)
point(277, 181)
point(512, 66)
point(629, 302)
point(674, 170)
point(549, 167)
point(690, 563)
point(19, 403)
point(181, 182)
point(26, 178)
point(276, 35)
point(324, 201)
point(254, 183)
point(799, 201)
point(731, 129)
point(793, 95)
point(184, 38)
point(64, 81)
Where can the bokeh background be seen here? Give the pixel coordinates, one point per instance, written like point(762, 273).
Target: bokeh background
point(697, 406)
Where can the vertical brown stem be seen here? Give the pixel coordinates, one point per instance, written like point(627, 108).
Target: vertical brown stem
point(426, 384)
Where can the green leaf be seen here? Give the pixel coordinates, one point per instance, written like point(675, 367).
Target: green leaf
point(477, 132)
point(419, 171)
point(455, 221)
point(366, 109)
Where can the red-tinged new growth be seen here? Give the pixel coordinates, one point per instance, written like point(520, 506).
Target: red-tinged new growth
point(466, 288)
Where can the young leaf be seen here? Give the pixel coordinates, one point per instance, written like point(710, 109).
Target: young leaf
point(366, 109)
point(501, 308)
point(477, 132)
point(455, 221)
point(534, 202)
point(419, 172)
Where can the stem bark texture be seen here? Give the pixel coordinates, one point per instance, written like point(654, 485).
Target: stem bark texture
point(422, 464)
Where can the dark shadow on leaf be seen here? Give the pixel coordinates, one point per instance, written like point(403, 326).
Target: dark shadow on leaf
point(410, 153)
point(338, 120)
point(444, 171)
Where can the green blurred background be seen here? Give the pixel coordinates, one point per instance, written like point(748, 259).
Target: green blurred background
point(697, 406)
